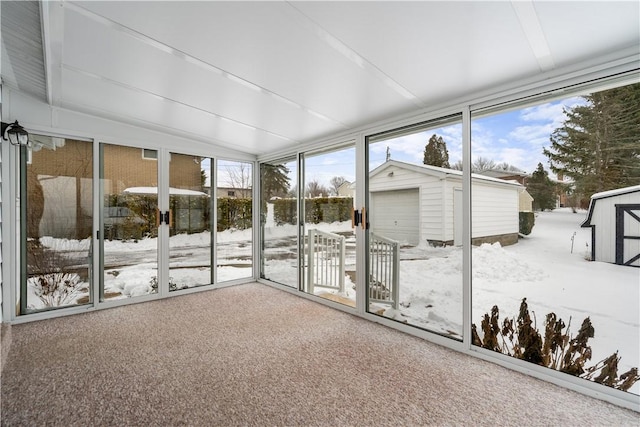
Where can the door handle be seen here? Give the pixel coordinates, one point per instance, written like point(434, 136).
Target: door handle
point(363, 221)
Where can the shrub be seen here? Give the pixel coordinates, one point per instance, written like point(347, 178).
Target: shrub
point(57, 289)
point(521, 339)
point(317, 210)
point(527, 220)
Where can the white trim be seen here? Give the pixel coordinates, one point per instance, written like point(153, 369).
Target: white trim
point(467, 306)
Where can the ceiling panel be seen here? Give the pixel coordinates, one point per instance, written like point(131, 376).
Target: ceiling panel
point(108, 52)
point(266, 44)
point(107, 99)
point(437, 50)
point(578, 31)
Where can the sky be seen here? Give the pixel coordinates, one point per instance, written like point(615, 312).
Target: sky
point(516, 137)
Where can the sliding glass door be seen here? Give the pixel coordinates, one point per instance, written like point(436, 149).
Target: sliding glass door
point(56, 218)
point(234, 231)
point(190, 219)
point(279, 222)
point(414, 257)
point(328, 236)
point(129, 222)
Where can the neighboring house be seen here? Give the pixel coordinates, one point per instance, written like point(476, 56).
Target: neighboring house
point(525, 201)
point(423, 204)
point(233, 193)
point(521, 177)
point(614, 218)
point(347, 189)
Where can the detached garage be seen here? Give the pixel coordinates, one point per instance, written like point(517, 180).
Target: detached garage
point(416, 204)
point(614, 218)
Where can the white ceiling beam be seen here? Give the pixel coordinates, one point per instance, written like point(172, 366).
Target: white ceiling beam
point(526, 12)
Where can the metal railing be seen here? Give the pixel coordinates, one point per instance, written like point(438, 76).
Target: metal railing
point(325, 261)
point(384, 270)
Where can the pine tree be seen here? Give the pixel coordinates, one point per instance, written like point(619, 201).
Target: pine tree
point(598, 145)
point(436, 153)
point(542, 189)
point(274, 180)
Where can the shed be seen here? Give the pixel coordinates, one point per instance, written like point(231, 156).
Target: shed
point(423, 204)
point(614, 218)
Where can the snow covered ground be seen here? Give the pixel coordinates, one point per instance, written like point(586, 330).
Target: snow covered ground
point(540, 267)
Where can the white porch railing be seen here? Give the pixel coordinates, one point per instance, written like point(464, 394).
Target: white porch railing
point(325, 261)
point(384, 270)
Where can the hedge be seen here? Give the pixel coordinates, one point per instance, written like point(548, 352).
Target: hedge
point(317, 210)
point(234, 213)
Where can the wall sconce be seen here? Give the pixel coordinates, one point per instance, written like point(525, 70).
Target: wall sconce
point(15, 133)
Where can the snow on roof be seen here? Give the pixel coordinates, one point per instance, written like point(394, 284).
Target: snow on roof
point(172, 191)
point(616, 192)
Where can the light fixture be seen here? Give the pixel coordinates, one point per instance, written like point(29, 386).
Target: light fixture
point(16, 134)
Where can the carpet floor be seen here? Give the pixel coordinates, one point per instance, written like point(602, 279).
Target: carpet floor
point(254, 355)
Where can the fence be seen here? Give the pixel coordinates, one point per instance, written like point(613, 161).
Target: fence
point(326, 265)
point(384, 270)
point(325, 261)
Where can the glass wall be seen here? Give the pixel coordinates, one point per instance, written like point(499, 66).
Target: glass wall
point(279, 222)
point(129, 232)
point(234, 235)
point(549, 212)
point(57, 218)
point(329, 238)
point(414, 217)
point(190, 222)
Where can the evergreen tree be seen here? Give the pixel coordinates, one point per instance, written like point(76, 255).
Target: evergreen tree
point(542, 189)
point(274, 180)
point(598, 145)
point(436, 153)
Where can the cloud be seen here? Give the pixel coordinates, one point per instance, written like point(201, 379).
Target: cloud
point(535, 135)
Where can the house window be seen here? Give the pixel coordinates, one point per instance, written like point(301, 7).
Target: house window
point(231, 193)
point(149, 154)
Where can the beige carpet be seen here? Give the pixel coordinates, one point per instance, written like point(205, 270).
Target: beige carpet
point(254, 355)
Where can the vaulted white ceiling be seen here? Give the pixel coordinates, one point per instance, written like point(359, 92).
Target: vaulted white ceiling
point(266, 76)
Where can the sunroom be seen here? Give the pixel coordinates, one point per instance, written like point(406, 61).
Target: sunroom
point(181, 147)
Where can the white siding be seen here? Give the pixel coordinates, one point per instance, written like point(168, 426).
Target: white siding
point(494, 210)
point(432, 207)
point(604, 219)
point(449, 207)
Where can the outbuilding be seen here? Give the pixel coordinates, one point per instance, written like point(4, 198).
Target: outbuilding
point(614, 218)
point(416, 204)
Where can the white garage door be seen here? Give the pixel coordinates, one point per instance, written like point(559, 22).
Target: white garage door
point(395, 215)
